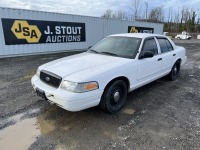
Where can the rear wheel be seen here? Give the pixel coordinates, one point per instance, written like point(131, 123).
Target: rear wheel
point(175, 71)
point(114, 97)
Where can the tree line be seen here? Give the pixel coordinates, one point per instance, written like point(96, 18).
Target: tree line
point(181, 19)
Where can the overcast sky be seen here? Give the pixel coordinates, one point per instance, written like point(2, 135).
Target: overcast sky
point(94, 7)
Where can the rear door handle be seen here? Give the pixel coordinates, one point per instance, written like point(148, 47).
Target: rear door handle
point(159, 59)
point(174, 54)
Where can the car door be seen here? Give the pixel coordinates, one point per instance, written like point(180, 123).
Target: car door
point(168, 54)
point(149, 69)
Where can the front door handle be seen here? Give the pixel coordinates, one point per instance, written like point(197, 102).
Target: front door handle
point(174, 54)
point(159, 59)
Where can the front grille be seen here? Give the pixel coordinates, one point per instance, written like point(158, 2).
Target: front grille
point(50, 78)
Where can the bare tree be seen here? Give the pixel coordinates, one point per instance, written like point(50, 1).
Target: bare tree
point(122, 15)
point(156, 15)
point(171, 19)
point(177, 20)
point(146, 13)
point(186, 15)
point(188, 18)
point(198, 22)
point(135, 4)
point(168, 24)
point(107, 14)
point(169, 15)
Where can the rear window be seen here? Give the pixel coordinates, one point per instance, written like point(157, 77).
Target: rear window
point(165, 45)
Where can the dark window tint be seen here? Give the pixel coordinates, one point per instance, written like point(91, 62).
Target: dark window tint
point(165, 45)
point(169, 45)
point(150, 45)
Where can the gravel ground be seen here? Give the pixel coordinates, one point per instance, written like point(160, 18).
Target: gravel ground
point(160, 115)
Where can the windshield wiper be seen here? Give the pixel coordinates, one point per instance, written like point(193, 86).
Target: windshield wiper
point(91, 50)
point(109, 53)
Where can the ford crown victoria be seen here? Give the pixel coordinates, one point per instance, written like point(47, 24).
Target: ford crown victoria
point(109, 70)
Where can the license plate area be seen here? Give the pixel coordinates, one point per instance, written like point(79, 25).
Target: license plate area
point(41, 93)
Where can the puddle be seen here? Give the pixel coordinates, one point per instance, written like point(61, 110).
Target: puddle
point(11, 119)
point(25, 131)
point(20, 135)
point(18, 117)
point(129, 111)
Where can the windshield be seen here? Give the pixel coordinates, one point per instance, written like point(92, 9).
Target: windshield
point(126, 47)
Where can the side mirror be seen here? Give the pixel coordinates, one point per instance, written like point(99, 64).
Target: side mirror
point(146, 54)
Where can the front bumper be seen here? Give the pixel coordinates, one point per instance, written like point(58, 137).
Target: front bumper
point(68, 100)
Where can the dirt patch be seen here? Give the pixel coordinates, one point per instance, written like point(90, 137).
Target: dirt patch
point(29, 75)
point(129, 111)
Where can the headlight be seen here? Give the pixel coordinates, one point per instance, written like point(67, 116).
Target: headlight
point(38, 72)
point(79, 87)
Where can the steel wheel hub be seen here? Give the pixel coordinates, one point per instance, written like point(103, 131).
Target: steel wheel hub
point(175, 70)
point(116, 96)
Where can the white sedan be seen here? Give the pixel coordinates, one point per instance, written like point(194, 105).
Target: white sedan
point(109, 70)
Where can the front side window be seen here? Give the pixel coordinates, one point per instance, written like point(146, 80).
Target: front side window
point(126, 47)
point(165, 45)
point(150, 45)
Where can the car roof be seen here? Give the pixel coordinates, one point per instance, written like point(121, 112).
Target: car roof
point(137, 35)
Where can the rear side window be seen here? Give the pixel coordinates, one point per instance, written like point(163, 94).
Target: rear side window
point(150, 45)
point(169, 45)
point(165, 45)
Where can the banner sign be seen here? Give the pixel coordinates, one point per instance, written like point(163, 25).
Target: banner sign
point(134, 29)
point(17, 31)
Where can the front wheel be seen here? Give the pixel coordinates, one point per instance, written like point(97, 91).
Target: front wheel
point(114, 97)
point(175, 71)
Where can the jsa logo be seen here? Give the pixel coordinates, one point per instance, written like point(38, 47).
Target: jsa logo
point(22, 30)
point(133, 30)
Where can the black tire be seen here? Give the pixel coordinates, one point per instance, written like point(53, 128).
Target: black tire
point(179, 38)
point(114, 97)
point(173, 75)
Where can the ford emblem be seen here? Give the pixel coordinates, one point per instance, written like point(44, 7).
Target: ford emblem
point(47, 79)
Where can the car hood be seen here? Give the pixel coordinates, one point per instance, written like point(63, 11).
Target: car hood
point(77, 63)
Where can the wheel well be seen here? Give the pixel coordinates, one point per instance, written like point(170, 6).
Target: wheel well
point(179, 61)
point(125, 79)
